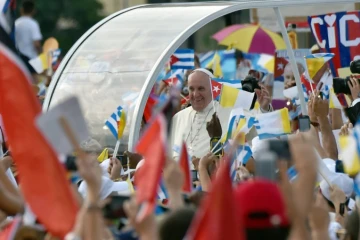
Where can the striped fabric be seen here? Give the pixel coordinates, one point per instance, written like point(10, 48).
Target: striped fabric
point(184, 59)
point(55, 56)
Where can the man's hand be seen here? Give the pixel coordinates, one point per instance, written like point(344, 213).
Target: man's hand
point(195, 161)
point(90, 170)
point(354, 87)
point(114, 168)
point(6, 162)
point(214, 127)
point(320, 106)
point(206, 160)
point(311, 112)
point(173, 176)
point(263, 97)
point(345, 129)
point(147, 228)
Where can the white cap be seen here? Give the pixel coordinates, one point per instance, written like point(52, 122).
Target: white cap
point(330, 164)
point(203, 70)
point(107, 187)
point(343, 181)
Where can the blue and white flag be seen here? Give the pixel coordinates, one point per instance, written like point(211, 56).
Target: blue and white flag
point(55, 56)
point(245, 154)
point(240, 157)
point(182, 59)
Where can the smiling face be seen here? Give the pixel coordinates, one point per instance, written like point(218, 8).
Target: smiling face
point(199, 90)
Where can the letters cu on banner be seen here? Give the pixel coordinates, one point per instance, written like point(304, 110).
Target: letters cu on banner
point(338, 33)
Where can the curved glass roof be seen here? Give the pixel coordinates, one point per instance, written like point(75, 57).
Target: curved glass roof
point(117, 61)
point(111, 66)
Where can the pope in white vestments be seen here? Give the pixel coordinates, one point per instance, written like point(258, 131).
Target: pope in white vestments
point(189, 125)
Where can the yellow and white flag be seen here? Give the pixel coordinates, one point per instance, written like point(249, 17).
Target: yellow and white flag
point(273, 124)
point(235, 98)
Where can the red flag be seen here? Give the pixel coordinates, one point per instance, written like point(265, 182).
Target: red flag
point(152, 146)
point(216, 88)
point(42, 177)
point(185, 167)
point(217, 218)
point(150, 104)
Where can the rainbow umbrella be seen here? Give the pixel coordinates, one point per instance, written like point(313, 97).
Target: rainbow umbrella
point(250, 38)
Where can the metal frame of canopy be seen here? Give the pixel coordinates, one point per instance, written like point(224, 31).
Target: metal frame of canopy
point(151, 78)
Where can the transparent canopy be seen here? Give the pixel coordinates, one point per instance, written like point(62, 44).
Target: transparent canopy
point(117, 61)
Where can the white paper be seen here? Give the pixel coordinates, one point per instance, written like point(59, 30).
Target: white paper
point(49, 125)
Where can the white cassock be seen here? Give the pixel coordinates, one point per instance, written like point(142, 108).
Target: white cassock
point(190, 126)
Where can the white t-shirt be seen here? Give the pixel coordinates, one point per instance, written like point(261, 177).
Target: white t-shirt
point(27, 31)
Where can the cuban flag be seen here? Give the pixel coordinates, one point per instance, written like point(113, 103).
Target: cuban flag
point(338, 33)
point(176, 81)
point(55, 56)
point(182, 59)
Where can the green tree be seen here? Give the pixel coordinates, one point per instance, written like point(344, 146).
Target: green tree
point(78, 16)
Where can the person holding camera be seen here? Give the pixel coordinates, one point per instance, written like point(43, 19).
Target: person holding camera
point(351, 87)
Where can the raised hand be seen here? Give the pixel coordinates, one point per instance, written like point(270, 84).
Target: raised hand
point(263, 97)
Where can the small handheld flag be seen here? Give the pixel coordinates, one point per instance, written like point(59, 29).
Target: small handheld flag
point(316, 61)
point(103, 156)
point(117, 122)
point(185, 167)
point(182, 59)
point(273, 124)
